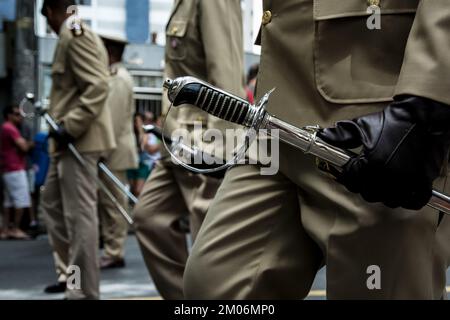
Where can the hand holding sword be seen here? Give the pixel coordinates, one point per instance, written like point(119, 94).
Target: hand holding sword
point(29, 109)
point(188, 90)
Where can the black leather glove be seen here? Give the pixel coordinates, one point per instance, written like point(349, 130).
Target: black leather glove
point(404, 150)
point(62, 137)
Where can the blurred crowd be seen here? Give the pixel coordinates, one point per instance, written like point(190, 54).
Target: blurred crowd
point(25, 162)
point(24, 166)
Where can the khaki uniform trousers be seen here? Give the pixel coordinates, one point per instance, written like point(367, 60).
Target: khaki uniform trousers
point(70, 205)
point(265, 237)
point(61, 268)
point(113, 226)
point(170, 194)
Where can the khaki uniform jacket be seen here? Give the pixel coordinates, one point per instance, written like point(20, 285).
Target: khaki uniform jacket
point(205, 40)
point(327, 65)
point(121, 104)
point(80, 89)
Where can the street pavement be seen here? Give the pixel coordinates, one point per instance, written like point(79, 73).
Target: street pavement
point(27, 267)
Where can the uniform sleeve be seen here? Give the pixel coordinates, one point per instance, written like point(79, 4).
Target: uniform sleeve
point(426, 65)
point(91, 77)
point(221, 28)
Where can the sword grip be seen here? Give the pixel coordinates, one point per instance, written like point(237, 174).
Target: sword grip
point(212, 100)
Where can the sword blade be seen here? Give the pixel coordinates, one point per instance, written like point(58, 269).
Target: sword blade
point(306, 141)
point(193, 91)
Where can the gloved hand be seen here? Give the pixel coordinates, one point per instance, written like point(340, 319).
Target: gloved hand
point(62, 137)
point(404, 149)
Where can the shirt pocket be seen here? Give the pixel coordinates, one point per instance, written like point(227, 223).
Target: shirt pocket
point(176, 39)
point(352, 63)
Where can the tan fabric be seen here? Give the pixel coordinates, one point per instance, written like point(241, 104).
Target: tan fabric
point(80, 89)
point(170, 194)
point(426, 67)
point(120, 101)
point(261, 233)
point(121, 104)
point(204, 40)
point(69, 202)
point(113, 226)
point(265, 237)
point(77, 99)
point(61, 268)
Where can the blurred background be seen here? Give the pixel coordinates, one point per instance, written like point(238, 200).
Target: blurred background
point(27, 48)
point(26, 52)
point(27, 44)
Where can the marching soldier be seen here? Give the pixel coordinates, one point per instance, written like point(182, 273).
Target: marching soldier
point(113, 226)
point(266, 237)
point(204, 39)
point(77, 103)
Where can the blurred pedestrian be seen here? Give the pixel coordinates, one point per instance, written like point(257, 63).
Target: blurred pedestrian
point(41, 161)
point(113, 227)
point(149, 118)
point(77, 103)
point(13, 151)
point(26, 131)
point(137, 177)
point(151, 145)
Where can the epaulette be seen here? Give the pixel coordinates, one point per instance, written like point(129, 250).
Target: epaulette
point(76, 26)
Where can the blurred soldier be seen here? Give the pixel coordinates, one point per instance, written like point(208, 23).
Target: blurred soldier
point(113, 226)
point(77, 103)
point(204, 39)
point(266, 237)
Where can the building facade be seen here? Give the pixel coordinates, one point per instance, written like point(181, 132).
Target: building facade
point(144, 56)
point(7, 15)
point(124, 18)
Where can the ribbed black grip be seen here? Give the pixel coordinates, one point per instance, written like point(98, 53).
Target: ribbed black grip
point(216, 103)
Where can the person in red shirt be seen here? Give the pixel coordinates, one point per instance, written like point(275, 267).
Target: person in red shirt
point(250, 88)
point(13, 149)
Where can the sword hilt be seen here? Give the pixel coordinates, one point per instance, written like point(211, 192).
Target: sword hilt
point(221, 104)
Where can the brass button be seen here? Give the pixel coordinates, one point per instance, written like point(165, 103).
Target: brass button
point(375, 3)
point(267, 17)
point(174, 30)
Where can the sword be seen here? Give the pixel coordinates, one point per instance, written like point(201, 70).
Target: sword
point(177, 146)
point(83, 163)
point(52, 123)
point(228, 107)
